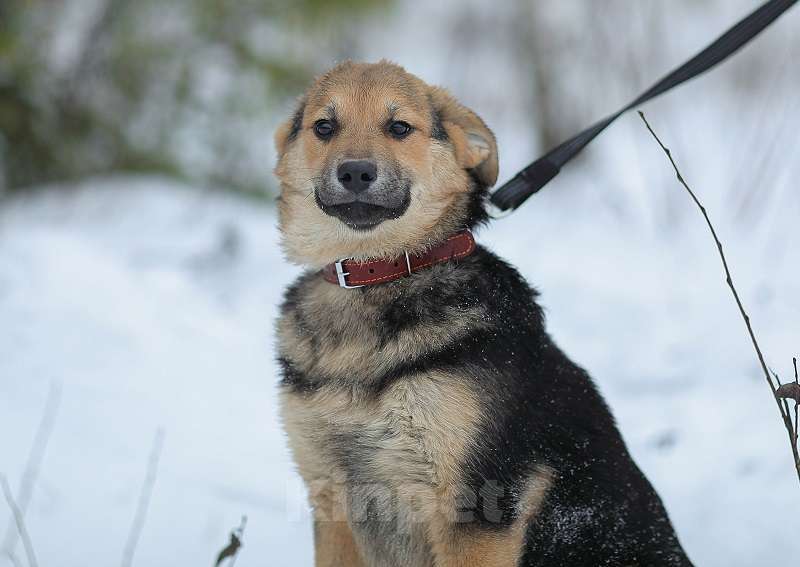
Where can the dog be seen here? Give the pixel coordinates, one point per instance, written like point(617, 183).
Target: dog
point(433, 420)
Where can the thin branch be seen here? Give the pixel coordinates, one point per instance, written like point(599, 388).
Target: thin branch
point(34, 463)
point(231, 551)
point(787, 421)
point(144, 499)
point(782, 400)
point(796, 402)
point(20, 521)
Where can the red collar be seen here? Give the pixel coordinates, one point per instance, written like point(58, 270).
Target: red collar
point(352, 273)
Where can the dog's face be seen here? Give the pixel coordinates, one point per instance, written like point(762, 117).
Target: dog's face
point(375, 162)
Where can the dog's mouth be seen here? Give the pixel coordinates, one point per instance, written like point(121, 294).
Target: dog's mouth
point(362, 216)
point(365, 209)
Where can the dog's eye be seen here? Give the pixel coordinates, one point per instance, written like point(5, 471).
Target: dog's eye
point(399, 129)
point(323, 129)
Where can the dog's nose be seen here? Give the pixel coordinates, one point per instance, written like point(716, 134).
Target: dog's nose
point(357, 175)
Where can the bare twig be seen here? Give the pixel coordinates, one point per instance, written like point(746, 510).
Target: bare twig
point(33, 465)
point(232, 549)
point(144, 499)
point(20, 522)
point(796, 402)
point(783, 407)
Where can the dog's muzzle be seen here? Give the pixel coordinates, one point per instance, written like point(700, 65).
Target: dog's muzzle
point(361, 196)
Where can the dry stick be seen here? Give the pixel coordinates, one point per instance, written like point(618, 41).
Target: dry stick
point(144, 499)
point(796, 402)
point(240, 534)
point(33, 465)
point(783, 401)
point(729, 279)
point(20, 521)
point(232, 549)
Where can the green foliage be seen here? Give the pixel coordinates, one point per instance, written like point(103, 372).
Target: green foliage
point(190, 88)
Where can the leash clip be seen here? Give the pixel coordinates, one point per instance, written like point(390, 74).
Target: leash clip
point(495, 212)
point(340, 276)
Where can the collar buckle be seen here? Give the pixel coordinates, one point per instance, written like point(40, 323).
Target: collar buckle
point(340, 276)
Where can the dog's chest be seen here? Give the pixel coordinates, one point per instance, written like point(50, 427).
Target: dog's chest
point(385, 448)
point(391, 439)
point(385, 460)
point(341, 413)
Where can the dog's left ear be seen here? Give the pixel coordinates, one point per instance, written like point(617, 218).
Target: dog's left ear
point(475, 145)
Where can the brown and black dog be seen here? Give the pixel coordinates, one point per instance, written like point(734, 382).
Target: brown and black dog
point(432, 418)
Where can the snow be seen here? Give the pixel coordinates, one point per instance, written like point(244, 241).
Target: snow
point(127, 295)
point(152, 305)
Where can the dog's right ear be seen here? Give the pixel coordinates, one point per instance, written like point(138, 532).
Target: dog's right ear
point(288, 131)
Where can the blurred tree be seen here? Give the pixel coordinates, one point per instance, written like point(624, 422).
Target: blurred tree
point(184, 87)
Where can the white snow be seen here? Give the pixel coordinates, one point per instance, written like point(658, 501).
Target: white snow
point(152, 305)
point(122, 293)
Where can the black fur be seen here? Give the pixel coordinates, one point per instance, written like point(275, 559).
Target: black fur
point(297, 122)
point(541, 411)
point(437, 128)
point(478, 196)
point(295, 380)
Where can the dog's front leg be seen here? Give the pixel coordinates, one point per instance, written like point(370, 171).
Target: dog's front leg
point(334, 545)
point(458, 541)
point(472, 548)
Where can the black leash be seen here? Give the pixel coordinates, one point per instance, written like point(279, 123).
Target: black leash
point(531, 179)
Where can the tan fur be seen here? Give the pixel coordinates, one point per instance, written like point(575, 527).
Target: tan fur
point(334, 545)
point(493, 549)
point(422, 430)
point(433, 419)
point(362, 95)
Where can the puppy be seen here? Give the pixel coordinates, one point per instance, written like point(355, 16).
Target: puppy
point(433, 419)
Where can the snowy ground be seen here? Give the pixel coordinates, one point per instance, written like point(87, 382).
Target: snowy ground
point(151, 304)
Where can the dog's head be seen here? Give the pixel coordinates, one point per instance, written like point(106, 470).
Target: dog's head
point(376, 162)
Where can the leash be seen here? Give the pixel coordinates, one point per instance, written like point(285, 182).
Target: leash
point(533, 178)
